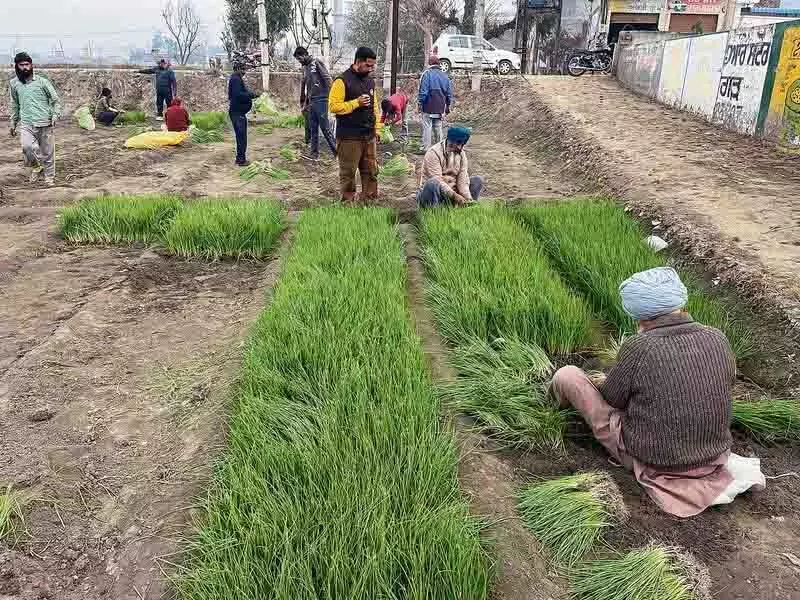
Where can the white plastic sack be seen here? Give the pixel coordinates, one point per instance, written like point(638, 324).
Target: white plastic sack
point(746, 472)
point(656, 243)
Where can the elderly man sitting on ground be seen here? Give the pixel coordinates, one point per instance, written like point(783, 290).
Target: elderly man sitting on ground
point(444, 177)
point(664, 411)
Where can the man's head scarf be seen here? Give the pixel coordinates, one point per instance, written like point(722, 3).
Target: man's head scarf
point(458, 135)
point(653, 293)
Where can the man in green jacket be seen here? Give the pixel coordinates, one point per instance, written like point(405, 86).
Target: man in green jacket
point(35, 107)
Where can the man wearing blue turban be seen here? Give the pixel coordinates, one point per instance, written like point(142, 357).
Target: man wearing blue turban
point(444, 176)
point(664, 411)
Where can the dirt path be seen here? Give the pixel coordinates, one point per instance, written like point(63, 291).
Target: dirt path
point(731, 198)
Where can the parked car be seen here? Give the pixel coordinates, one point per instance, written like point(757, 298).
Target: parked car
point(455, 51)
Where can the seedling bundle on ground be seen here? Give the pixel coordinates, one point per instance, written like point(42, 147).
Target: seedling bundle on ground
point(262, 167)
point(569, 515)
point(131, 117)
point(338, 480)
point(209, 121)
point(211, 229)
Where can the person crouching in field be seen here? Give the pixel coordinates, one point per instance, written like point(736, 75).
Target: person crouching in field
point(104, 111)
point(177, 117)
point(444, 177)
point(394, 111)
point(664, 411)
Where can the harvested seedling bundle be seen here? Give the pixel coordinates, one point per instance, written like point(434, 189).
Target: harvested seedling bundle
point(262, 167)
point(12, 517)
point(131, 117)
point(768, 420)
point(208, 121)
point(652, 573)
point(205, 136)
point(397, 166)
point(568, 515)
point(504, 386)
point(85, 119)
point(288, 153)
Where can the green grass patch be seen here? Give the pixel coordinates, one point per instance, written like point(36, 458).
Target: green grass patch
point(131, 117)
point(12, 517)
point(118, 219)
point(569, 515)
point(503, 385)
point(209, 120)
point(652, 573)
point(768, 420)
point(596, 246)
point(220, 228)
point(265, 129)
point(338, 481)
point(489, 278)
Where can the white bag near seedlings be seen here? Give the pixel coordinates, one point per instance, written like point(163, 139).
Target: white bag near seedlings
point(656, 243)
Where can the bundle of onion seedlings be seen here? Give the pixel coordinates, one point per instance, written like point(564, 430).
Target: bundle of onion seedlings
point(651, 573)
point(503, 385)
point(568, 515)
point(767, 419)
point(262, 167)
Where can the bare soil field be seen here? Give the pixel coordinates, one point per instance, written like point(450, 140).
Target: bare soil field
point(116, 366)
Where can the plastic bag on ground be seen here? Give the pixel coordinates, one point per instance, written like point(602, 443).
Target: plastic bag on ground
point(156, 139)
point(85, 118)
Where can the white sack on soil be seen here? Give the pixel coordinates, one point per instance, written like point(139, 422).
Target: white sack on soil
point(746, 472)
point(656, 243)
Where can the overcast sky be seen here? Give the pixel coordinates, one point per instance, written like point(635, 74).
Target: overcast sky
point(112, 25)
point(40, 24)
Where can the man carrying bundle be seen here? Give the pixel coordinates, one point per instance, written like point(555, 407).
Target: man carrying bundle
point(444, 176)
point(664, 411)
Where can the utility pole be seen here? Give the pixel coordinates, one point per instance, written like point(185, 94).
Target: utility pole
point(261, 10)
point(388, 62)
point(326, 35)
point(395, 43)
point(477, 53)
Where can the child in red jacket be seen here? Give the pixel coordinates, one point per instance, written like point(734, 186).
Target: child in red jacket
point(177, 118)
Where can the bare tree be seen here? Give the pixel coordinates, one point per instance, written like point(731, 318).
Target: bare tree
point(304, 31)
point(430, 16)
point(183, 23)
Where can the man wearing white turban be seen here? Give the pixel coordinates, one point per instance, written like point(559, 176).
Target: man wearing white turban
point(664, 411)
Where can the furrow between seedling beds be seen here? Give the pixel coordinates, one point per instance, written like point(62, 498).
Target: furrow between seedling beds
point(338, 481)
point(596, 246)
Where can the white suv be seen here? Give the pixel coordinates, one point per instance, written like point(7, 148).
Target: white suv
point(455, 51)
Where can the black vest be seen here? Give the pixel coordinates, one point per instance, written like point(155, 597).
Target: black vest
point(359, 124)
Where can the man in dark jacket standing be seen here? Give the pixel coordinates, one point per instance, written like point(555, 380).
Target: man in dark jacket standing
point(435, 99)
point(165, 83)
point(241, 102)
point(314, 92)
point(358, 126)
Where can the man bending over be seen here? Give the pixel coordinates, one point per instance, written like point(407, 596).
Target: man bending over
point(444, 177)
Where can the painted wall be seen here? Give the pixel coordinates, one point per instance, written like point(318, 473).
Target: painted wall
point(780, 117)
point(746, 80)
point(741, 85)
point(703, 73)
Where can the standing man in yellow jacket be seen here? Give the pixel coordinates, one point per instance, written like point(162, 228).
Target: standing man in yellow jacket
point(358, 124)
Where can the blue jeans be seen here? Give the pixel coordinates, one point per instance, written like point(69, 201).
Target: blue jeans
point(318, 117)
point(163, 100)
point(239, 122)
point(431, 193)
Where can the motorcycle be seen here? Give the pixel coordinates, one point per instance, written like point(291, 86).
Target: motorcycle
point(590, 60)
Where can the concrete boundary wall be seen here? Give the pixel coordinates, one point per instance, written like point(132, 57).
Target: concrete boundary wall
point(746, 80)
